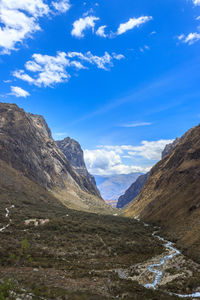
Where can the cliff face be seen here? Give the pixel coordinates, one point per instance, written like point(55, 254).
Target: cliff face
point(170, 147)
point(26, 145)
point(133, 191)
point(74, 154)
point(170, 196)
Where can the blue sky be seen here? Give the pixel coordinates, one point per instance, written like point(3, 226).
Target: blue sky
point(121, 77)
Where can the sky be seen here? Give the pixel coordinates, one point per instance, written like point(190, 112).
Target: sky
point(121, 77)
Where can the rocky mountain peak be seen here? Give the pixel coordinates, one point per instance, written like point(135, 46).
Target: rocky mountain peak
point(74, 154)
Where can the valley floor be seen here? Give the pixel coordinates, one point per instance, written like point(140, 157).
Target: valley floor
point(76, 255)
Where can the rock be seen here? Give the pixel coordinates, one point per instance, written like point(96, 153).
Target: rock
point(74, 154)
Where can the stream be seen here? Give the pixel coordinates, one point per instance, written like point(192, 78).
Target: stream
point(7, 216)
point(156, 268)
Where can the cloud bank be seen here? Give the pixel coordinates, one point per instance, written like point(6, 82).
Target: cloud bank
point(109, 160)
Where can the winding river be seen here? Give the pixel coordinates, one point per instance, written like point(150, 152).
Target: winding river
point(7, 216)
point(156, 268)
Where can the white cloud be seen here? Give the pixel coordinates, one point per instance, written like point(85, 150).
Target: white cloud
point(104, 162)
point(102, 62)
point(190, 39)
point(19, 92)
point(101, 31)
point(118, 56)
point(49, 70)
point(136, 124)
point(132, 23)
point(196, 2)
point(79, 26)
point(108, 160)
point(61, 6)
point(19, 19)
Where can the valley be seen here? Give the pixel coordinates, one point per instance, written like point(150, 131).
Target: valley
point(60, 240)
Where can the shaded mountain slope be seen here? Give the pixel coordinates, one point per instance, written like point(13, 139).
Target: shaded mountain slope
point(133, 191)
point(112, 187)
point(170, 196)
point(26, 144)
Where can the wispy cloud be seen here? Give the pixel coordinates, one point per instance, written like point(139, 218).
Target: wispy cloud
point(18, 92)
point(132, 23)
point(190, 39)
point(79, 26)
point(136, 124)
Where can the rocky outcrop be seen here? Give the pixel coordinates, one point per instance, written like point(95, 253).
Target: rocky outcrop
point(170, 197)
point(26, 145)
point(74, 154)
point(133, 191)
point(170, 147)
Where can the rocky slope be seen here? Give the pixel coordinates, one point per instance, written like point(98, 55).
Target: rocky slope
point(112, 187)
point(26, 144)
point(133, 191)
point(74, 154)
point(170, 196)
point(170, 147)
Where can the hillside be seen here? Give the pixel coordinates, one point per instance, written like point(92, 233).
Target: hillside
point(170, 197)
point(26, 144)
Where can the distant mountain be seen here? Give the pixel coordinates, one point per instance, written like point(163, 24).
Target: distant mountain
point(26, 145)
point(133, 191)
point(112, 187)
point(170, 197)
point(74, 154)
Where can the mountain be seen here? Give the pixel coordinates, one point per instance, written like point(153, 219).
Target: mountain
point(170, 197)
point(112, 187)
point(74, 154)
point(133, 191)
point(26, 144)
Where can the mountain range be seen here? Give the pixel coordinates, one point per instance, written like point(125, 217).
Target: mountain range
point(112, 187)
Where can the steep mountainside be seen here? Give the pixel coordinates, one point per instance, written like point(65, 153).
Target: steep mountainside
point(112, 187)
point(133, 191)
point(170, 147)
point(74, 154)
point(170, 196)
point(30, 199)
point(26, 144)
